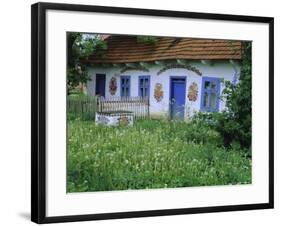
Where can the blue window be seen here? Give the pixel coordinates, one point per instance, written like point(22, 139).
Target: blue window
point(125, 86)
point(210, 94)
point(144, 85)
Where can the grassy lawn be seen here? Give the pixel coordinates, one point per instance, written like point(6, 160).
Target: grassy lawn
point(150, 154)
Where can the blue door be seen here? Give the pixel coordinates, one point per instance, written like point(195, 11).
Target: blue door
point(177, 98)
point(100, 85)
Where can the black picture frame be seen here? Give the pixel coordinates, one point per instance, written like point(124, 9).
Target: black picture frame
point(38, 111)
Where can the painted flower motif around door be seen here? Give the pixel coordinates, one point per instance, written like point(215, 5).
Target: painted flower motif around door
point(193, 92)
point(158, 92)
point(123, 121)
point(112, 86)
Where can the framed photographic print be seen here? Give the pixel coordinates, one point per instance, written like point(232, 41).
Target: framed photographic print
point(139, 112)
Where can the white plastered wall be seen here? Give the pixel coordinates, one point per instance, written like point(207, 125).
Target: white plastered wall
point(219, 69)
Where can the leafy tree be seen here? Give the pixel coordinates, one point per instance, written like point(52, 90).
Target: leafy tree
point(150, 40)
point(81, 46)
point(235, 124)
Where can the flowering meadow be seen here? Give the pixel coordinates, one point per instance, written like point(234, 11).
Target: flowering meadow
point(150, 154)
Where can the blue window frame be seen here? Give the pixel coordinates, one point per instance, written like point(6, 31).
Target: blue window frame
point(125, 86)
point(210, 94)
point(144, 86)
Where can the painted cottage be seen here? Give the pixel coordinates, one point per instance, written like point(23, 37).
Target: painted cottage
point(178, 76)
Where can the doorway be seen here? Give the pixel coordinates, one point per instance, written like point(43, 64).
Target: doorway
point(100, 85)
point(177, 97)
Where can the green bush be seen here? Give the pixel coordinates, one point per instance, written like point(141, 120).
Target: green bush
point(149, 40)
point(230, 131)
point(203, 134)
point(234, 124)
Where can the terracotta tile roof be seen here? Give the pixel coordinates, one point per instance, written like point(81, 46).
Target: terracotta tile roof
point(126, 49)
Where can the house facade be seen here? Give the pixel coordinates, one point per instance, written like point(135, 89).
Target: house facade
point(179, 76)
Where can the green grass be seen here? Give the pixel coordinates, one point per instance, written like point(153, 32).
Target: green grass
point(150, 154)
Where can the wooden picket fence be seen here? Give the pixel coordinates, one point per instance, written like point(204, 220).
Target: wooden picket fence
point(138, 105)
point(83, 107)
